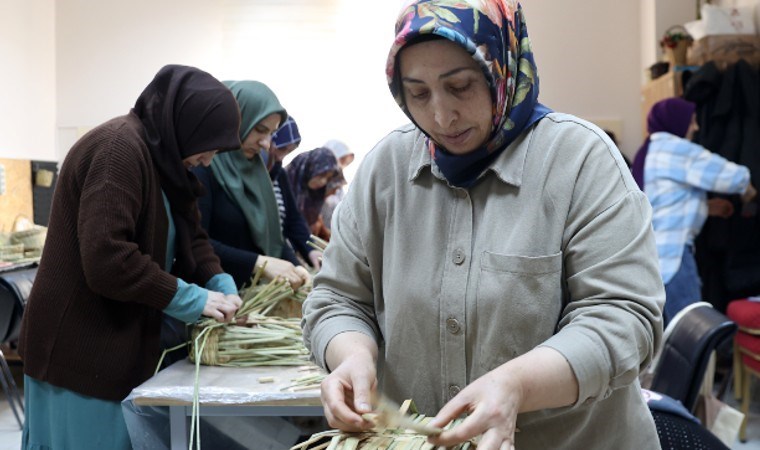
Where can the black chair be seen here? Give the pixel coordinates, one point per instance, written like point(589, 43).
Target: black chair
point(682, 364)
point(15, 287)
point(678, 433)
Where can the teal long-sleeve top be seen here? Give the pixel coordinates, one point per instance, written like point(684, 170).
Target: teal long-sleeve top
point(190, 299)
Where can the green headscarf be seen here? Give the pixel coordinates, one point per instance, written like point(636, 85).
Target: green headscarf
point(247, 182)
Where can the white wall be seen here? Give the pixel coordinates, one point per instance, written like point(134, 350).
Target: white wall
point(335, 88)
point(108, 51)
point(27, 104)
point(326, 64)
point(669, 13)
point(589, 60)
point(649, 40)
point(590, 54)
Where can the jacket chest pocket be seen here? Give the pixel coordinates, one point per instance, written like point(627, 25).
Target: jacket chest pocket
point(518, 304)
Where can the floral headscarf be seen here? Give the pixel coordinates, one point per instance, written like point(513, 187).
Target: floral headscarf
point(303, 168)
point(494, 33)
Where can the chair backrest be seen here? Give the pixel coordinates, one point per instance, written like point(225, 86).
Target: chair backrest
point(678, 433)
point(15, 287)
point(683, 361)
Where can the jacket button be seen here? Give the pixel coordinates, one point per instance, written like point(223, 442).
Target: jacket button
point(458, 256)
point(452, 325)
point(454, 390)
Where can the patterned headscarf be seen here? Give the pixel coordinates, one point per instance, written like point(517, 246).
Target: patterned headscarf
point(494, 33)
point(185, 111)
point(303, 168)
point(672, 115)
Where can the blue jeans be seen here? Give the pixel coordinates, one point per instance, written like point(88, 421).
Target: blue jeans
point(684, 288)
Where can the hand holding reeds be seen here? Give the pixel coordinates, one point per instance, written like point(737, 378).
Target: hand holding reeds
point(221, 307)
point(394, 428)
point(256, 338)
point(274, 268)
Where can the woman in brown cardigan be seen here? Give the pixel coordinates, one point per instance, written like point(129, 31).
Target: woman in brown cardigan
point(124, 247)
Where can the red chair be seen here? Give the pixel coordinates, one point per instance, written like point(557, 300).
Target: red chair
point(746, 314)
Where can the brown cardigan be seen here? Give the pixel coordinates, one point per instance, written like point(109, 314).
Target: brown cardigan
point(93, 319)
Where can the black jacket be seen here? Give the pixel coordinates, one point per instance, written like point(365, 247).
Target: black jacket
point(728, 110)
point(225, 224)
point(294, 227)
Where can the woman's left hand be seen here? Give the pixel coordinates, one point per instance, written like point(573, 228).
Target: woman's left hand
point(492, 403)
point(720, 207)
point(221, 307)
point(539, 379)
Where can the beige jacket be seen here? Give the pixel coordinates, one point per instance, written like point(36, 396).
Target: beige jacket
point(553, 247)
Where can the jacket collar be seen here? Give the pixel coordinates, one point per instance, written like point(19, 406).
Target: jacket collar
point(508, 166)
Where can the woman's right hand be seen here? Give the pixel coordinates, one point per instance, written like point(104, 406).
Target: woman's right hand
point(275, 267)
point(749, 194)
point(346, 393)
point(221, 307)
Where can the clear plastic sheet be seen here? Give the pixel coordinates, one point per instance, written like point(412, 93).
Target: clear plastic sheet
point(219, 386)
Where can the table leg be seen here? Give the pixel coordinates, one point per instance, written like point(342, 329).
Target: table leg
point(178, 425)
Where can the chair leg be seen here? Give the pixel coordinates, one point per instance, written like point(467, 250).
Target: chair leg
point(11, 390)
point(746, 377)
point(12, 382)
point(737, 372)
point(725, 383)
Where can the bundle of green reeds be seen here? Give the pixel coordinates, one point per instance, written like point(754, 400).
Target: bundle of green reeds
point(317, 243)
point(262, 341)
point(254, 338)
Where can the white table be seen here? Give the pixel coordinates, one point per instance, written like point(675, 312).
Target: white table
point(225, 391)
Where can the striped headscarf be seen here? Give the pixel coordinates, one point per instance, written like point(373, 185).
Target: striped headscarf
point(287, 134)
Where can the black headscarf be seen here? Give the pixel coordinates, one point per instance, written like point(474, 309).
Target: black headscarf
point(185, 111)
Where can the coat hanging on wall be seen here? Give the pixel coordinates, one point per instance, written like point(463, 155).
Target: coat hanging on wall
point(728, 111)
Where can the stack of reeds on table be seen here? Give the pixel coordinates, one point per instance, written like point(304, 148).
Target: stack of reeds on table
point(403, 430)
point(24, 243)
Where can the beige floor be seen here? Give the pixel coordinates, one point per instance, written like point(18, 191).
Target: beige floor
point(753, 426)
point(10, 435)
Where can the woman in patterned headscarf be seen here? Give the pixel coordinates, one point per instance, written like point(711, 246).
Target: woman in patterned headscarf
point(483, 261)
point(124, 248)
point(314, 175)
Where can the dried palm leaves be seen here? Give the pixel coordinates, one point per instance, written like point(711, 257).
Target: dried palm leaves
point(391, 432)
